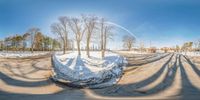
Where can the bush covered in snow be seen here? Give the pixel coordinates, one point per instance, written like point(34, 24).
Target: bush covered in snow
point(93, 72)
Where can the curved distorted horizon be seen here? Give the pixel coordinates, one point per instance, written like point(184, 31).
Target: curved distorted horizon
point(99, 49)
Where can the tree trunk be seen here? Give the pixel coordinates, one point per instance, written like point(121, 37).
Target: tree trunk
point(23, 49)
point(32, 42)
point(64, 48)
point(88, 47)
point(102, 51)
point(23, 46)
point(7, 48)
point(15, 47)
point(78, 47)
point(104, 44)
point(66, 42)
point(42, 48)
point(32, 48)
point(129, 49)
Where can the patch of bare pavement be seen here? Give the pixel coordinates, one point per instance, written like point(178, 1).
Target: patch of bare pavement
point(149, 76)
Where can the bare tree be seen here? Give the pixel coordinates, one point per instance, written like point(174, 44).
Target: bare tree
point(64, 21)
point(32, 32)
point(128, 41)
point(107, 35)
point(102, 39)
point(61, 30)
point(90, 24)
point(78, 29)
point(105, 32)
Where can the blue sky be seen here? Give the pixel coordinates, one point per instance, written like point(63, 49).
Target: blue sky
point(163, 22)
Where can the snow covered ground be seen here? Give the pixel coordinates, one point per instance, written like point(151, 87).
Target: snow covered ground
point(191, 53)
point(132, 52)
point(93, 72)
point(20, 54)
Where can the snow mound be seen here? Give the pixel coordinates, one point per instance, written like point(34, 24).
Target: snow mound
point(20, 54)
point(92, 72)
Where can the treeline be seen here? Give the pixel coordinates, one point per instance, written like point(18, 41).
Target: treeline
point(129, 41)
point(189, 46)
point(186, 47)
point(32, 41)
point(72, 33)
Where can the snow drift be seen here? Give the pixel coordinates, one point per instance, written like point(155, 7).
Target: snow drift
point(92, 72)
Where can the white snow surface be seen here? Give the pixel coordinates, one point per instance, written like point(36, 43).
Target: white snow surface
point(92, 71)
point(132, 52)
point(20, 54)
point(191, 53)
